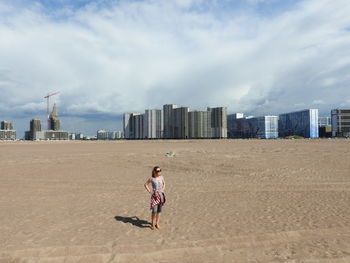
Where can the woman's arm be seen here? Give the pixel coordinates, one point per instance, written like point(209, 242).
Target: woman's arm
point(163, 185)
point(146, 186)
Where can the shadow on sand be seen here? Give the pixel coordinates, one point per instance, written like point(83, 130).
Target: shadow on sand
point(134, 220)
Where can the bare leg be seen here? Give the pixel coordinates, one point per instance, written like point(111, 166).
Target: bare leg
point(153, 220)
point(157, 220)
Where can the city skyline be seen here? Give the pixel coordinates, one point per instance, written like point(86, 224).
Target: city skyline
point(174, 122)
point(120, 122)
point(111, 57)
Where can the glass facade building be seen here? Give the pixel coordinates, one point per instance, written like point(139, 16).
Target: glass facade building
point(264, 127)
point(301, 123)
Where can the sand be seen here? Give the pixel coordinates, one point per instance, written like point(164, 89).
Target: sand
point(227, 201)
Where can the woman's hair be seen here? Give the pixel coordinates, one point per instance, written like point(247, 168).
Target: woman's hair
point(154, 171)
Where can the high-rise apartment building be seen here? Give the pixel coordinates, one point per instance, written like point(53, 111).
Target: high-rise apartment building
point(199, 124)
point(180, 122)
point(138, 126)
point(235, 125)
point(302, 123)
point(168, 120)
point(340, 122)
point(176, 123)
point(35, 125)
point(126, 125)
point(218, 122)
point(153, 124)
point(34, 128)
point(133, 125)
point(6, 125)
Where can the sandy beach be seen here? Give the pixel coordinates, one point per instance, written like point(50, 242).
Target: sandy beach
point(227, 201)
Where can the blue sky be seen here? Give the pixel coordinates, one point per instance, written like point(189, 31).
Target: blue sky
point(110, 57)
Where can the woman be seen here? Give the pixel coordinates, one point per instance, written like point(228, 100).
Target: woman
point(157, 195)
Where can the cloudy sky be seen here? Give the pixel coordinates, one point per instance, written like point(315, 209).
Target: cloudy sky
point(110, 57)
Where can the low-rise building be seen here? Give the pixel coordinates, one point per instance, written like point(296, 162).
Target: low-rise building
point(6, 131)
point(7, 135)
point(341, 122)
point(102, 135)
point(324, 121)
point(115, 135)
point(79, 136)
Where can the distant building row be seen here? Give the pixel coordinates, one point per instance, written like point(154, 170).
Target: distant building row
point(106, 135)
point(175, 122)
point(305, 123)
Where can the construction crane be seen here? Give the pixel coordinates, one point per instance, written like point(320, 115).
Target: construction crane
point(47, 97)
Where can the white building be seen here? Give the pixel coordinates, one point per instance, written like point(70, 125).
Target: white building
point(102, 135)
point(115, 135)
point(127, 125)
point(153, 124)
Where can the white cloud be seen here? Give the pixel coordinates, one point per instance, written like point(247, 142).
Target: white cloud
point(136, 55)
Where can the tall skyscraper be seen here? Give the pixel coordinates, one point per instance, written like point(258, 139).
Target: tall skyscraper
point(199, 123)
point(137, 120)
point(168, 120)
point(126, 125)
point(180, 122)
point(153, 124)
point(341, 123)
point(218, 122)
point(235, 125)
point(176, 122)
point(34, 130)
point(55, 123)
point(133, 125)
point(302, 123)
point(35, 125)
